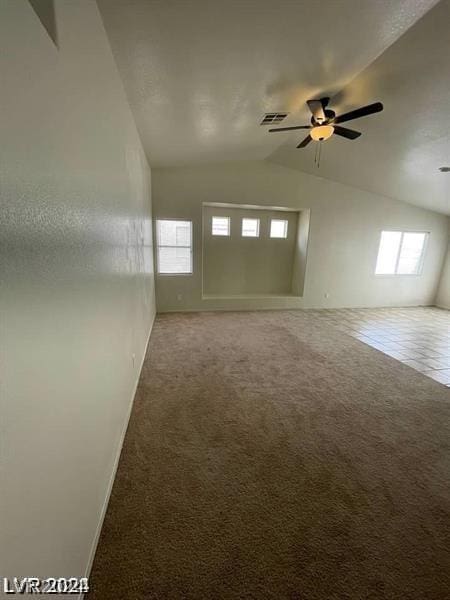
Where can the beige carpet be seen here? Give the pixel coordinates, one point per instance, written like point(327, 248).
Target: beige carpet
point(271, 456)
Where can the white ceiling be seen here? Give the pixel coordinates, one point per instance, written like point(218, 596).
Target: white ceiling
point(200, 74)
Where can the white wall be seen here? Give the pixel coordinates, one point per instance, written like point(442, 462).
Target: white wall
point(77, 295)
point(344, 235)
point(443, 295)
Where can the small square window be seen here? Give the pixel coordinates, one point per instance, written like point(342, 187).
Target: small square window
point(250, 227)
point(278, 228)
point(220, 226)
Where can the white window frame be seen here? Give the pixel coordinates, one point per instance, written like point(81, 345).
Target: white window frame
point(220, 234)
point(286, 227)
point(258, 221)
point(158, 246)
point(422, 256)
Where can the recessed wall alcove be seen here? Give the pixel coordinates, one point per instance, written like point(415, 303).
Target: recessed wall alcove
point(239, 266)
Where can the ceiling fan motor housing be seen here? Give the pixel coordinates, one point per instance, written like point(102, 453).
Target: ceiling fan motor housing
point(329, 114)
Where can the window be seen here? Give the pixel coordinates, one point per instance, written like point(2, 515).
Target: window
point(278, 228)
point(221, 226)
point(250, 227)
point(401, 253)
point(174, 239)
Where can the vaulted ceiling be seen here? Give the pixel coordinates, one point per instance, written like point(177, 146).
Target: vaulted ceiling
point(200, 74)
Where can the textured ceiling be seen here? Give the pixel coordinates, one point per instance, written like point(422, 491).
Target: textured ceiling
point(200, 74)
point(402, 148)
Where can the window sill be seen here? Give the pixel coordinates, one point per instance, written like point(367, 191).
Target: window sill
point(397, 274)
point(246, 296)
point(174, 274)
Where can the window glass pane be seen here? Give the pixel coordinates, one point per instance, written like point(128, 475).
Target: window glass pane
point(250, 227)
point(388, 252)
point(174, 260)
point(411, 253)
point(278, 228)
point(174, 233)
point(221, 225)
point(183, 233)
point(174, 246)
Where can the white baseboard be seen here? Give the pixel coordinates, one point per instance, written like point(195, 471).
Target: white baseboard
point(116, 464)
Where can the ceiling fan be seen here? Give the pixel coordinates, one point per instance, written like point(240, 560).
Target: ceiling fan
point(324, 122)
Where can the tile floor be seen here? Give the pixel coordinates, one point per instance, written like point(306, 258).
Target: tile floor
point(418, 337)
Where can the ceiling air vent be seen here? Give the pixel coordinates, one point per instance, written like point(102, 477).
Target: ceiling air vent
point(270, 118)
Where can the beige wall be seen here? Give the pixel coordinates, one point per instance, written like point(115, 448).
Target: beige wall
point(443, 295)
point(345, 227)
point(77, 297)
point(244, 265)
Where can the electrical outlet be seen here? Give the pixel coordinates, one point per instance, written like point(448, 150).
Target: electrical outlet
point(179, 297)
point(327, 295)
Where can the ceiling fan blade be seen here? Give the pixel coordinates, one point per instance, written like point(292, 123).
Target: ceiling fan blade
point(305, 142)
point(364, 111)
point(291, 128)
point(317, 108)
point(350, 134)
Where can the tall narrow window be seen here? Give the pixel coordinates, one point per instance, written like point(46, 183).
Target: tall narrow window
point(411, 253)
point(220, 226)
point(250, 227)
point(401, 253)
point(278, 228)
point(174, 251)
point(388, 252)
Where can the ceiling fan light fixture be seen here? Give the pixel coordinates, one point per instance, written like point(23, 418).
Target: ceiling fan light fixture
point(321, 132)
